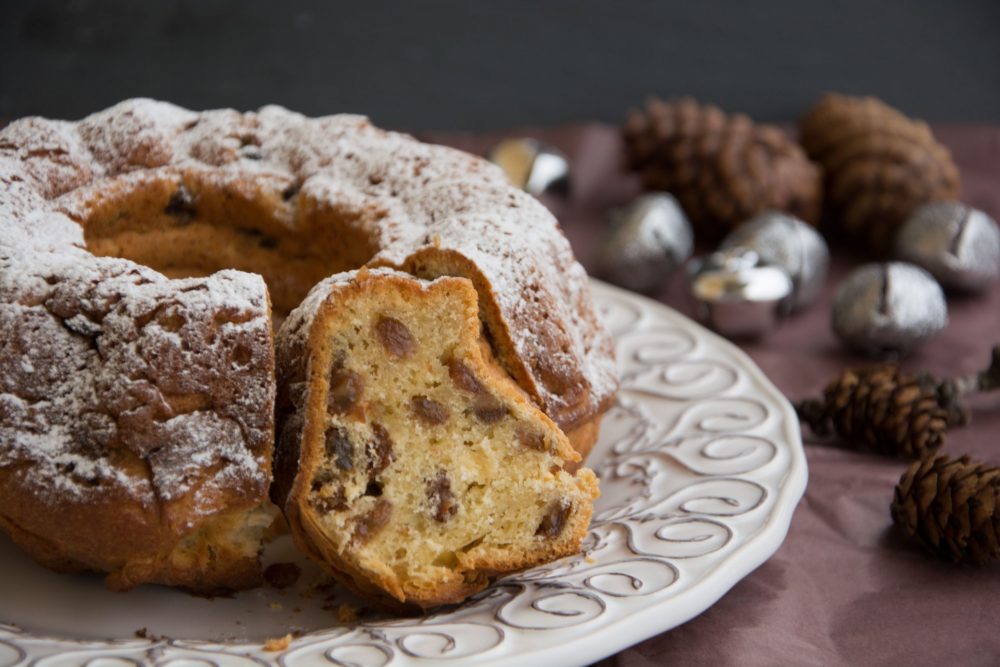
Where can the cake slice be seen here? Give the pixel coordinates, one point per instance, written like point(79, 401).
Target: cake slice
point(409, 464)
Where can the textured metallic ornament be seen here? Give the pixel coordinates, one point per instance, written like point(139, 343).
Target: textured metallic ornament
point(532, 166)
point(648, 240)
point(738, 295)
point(783, 240)
point(888, 308)
point(957, 244)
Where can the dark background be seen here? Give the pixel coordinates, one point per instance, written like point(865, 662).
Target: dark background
point(476, 65)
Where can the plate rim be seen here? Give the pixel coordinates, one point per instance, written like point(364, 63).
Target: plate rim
point(764, 544)
point(602, 641)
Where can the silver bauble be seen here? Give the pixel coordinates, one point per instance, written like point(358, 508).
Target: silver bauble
point(648, 240)
point(738, 295)
point(531, 165)
point(783, 240)
point(957, 244)
point(888, 308)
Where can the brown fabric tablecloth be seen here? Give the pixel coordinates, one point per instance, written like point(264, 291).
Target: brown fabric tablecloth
point(844, 588)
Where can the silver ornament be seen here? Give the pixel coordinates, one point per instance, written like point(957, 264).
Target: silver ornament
point(738, 295)
point(888, 308)
point(783, 240)
point(531, 165)
point(648, 240)
point(957, 244)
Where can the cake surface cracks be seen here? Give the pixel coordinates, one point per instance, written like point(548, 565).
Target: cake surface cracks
point(399, 196)
point(128, 367)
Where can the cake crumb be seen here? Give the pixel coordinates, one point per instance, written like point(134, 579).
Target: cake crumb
point(347, 613)
point(276, 606)
point(277, 528)
point(321, 587)
point(278, 643)
point(590, 560)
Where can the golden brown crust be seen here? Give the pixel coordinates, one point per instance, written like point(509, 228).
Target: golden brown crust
point(583, 438)
point(133, 549)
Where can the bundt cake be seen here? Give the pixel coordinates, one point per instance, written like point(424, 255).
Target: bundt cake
point(408, 463)
point(136, 374)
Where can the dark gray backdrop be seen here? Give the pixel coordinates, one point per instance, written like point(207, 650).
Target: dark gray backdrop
point(476, 65)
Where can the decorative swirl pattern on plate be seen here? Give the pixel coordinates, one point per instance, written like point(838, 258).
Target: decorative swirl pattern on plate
point(10, 653)
point(700, 467)
point(449, 641)
point(549, 608)
point(358, 655)
point(620, 315)
point(681, 380)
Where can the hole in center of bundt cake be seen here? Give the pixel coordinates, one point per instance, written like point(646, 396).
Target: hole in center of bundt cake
point(186, 224)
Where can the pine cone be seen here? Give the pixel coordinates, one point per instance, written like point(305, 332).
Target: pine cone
point(879, 166)
point(952, 506)
point(881, 409)
point(723, 169)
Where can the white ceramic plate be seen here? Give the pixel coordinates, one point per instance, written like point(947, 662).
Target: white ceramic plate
point(701, 467)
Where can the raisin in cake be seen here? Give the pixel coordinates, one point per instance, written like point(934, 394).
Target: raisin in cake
point(409, 463)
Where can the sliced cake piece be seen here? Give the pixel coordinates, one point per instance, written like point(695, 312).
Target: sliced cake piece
point(409, 464)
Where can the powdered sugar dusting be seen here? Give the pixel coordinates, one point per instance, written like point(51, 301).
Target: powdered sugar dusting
point(118, 358)
point(435, 196)
point(122, 379)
